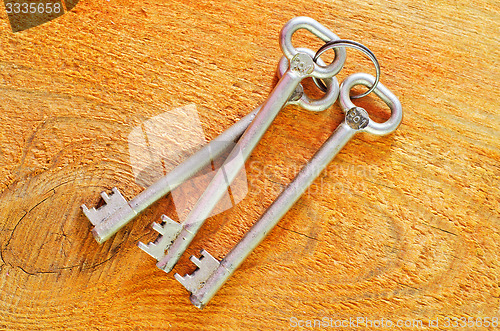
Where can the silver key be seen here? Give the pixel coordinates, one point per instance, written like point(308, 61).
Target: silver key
point(117, 212)
point(170, 229)
point(212, 274)
point(301, 66)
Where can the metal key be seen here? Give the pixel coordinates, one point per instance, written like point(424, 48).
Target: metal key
point(118, 212)
point(169, 229)
point(211, 274)
point(177, 237)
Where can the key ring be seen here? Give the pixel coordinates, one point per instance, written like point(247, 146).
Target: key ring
point(353, 44)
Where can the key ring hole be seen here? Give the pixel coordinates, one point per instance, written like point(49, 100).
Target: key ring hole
point(311, 90)
point(309, 24)
point(303, 38)
point(374, 106)
point(382, 92)
point(335, 44)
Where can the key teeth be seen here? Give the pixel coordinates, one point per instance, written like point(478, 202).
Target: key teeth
point(206, 255)
point(144, 247)
point(168, 232)
point(92, 214)
point(197, 262)
point(158, 228)
point(168, 228)
point(206, 264)
point(113, 202)
point(154, 249)
point(187, 282)
point(105, 197)
point(167, 220)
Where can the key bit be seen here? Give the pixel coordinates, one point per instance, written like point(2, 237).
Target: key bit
point(109, 219)
point(118, 212)
point(113, 203)
point(168, 230)
point(287, 91)
point(205, 285)
point(206, 264)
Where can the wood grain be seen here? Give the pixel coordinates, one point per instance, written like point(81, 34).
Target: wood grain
point(399, 227)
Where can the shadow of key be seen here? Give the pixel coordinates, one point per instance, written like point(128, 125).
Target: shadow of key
point(26, 14)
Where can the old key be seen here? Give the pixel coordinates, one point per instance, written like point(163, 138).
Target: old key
point(212, 274)
point(177, 237)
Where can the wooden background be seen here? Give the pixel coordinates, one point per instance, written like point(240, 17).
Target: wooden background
point(399, 227)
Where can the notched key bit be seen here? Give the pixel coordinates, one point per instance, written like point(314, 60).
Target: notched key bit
point(287, 91)
point(113, 203)
point(168, 230)
point(206, 264)
point(111, 217)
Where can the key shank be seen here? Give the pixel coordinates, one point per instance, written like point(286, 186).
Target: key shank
point(208, 279)
point(300, 66)
point(274, 213)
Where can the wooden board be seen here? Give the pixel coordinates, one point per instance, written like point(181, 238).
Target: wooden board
point(404, 227)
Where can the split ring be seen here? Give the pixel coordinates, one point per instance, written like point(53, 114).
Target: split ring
point(353, 44)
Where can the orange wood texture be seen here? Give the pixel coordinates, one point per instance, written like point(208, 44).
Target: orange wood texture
point(400, 227)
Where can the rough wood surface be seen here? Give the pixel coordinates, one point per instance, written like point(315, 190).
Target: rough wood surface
point(399, 227)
